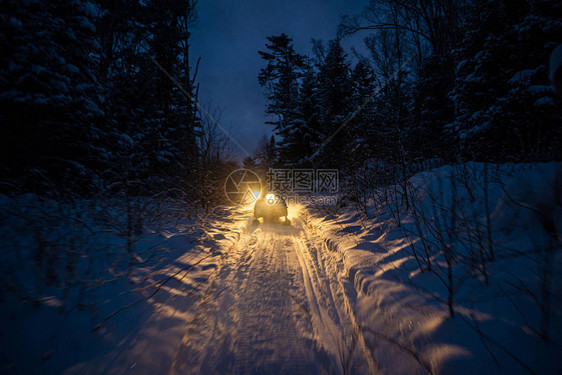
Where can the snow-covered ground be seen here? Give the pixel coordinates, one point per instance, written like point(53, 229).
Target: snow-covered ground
point(337, 292)
point(502, 306)
point(101, 321)
point(277, 306)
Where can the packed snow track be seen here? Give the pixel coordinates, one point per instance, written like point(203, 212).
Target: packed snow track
point(277, 305)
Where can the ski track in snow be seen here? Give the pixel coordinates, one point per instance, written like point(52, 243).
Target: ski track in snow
point(331, 294)
point(275, 306)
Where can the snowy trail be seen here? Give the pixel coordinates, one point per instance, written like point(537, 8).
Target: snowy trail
point(335, 293)
point(275, 306)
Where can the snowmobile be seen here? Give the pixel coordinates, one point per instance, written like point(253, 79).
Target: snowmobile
point(271, 208)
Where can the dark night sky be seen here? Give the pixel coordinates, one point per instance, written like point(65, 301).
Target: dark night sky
point(228, 36)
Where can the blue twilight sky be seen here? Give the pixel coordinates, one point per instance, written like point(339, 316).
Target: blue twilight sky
point(228, 37)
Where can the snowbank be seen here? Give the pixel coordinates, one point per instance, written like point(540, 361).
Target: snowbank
point(70, 301)
point(461, 276)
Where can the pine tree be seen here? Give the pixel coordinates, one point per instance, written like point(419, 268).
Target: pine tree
point(363, 127)
point(306, 135)
point(143, 45)
point(502, 83)
point(266, 154)
point(335, 91)
point(281, 79)
point(249, 163)
point(49, 106)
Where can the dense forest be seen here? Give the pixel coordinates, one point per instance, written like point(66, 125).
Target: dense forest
point(100, 98)
point(446, 81)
